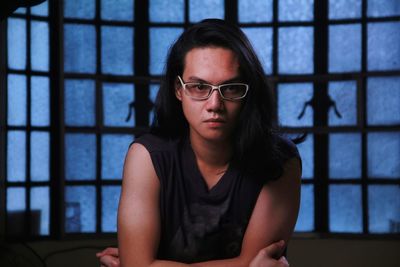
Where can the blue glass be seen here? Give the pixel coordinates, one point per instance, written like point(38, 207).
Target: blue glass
point(384, 155)
point(345, 209)
point(202, 9)
point(383, 8)
point(166, 10)
point(255, 11)
point(40, 46)
point(80, 103)
point(345, 9)
point(80, 157)
point(383, 101)
point(79, 9)
point(117, 50)
point(384, 208)
point(261, 39)
point(16, 199)
point(345, 155)
point(79, 48)
point(291, 100)
point(40, 156)
point(117, 98)
point(41, 10)
point(345, 48)
point(295, 50)
point(306, 150)
point(80, 209)
point(296, 10)
point(16, 99)
point(40, 101)
point(383, 46)
point(109, 203)
point(20, 10)
point(160, 41)
point(344, 94)
point(305, 221)
point(16, 43)
point(121, 11)
point(113, 150)
point(16, 156)
point(40, 201)
point(152, 96)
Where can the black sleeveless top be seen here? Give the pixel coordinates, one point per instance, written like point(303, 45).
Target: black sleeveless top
point(198, 224)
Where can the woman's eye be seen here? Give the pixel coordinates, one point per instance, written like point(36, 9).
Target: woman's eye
point(202, 87)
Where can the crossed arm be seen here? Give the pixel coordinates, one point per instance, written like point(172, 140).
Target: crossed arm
point(272, 220)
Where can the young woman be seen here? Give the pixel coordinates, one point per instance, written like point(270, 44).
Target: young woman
point(213, 183)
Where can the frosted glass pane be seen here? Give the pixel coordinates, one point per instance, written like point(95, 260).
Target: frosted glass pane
point(383, 46)
point(123, 11)
point(79, 48)
point(345, 209)
point(16, 205)
point(384, 208)
point(80, 156)
point(203, 9)
point(345, 156)
point(80, 9)
point(344, 94)
point(40, 156)
point(295, 50)
point(261, 39)
point(384, 155)
point(40, 202)
point(160, 41)
point(40, 46)
point(80, 209)
point(116, 104)
point(383, 101)
point(41, 10)
point(383, 8)
point(113, 151)
point(20, 10)
point(40, 101)
point(306, 150)
point(16, 199)
point(291, 100)
point(16, 99)
point(16, 156)
point(345, 48)
point(305, 221)
point(80, 103)
point(344, 9)
point(296, 10)
point(255, 11)
point(16, 43)
point(167, 10)
point(117, 50)
point(152, 96)
point(109, 202)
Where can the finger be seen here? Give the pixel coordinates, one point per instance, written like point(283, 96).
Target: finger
point(284, 261)
point(275, 249)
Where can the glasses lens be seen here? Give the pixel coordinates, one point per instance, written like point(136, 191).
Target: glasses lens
point(233, 91)
point(198, 90)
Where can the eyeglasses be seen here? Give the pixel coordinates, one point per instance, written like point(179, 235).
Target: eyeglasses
point(202, 91)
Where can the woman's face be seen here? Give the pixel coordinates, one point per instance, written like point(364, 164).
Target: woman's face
point(212, 119)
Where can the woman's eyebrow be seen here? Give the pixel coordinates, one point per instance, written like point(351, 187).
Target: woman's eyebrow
point(199, 80)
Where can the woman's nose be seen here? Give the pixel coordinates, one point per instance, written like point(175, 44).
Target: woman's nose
point(215, 101)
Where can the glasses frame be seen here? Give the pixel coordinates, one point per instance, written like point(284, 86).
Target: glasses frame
point(213, 87)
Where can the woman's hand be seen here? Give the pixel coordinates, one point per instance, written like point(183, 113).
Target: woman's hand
point(271, 256)
point(109, 257)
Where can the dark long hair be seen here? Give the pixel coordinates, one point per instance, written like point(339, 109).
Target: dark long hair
point(254, 145)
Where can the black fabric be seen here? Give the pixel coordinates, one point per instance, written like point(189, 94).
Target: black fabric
point(198, 224)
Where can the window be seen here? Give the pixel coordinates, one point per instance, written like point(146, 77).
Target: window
point(80, 79)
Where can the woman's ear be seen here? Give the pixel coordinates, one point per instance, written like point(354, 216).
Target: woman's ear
point(178, 90)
